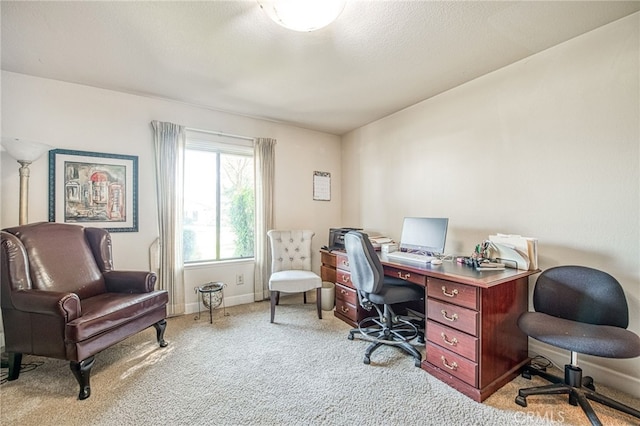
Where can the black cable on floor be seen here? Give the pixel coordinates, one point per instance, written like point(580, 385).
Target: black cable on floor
point(540, 362)
point(23, 369)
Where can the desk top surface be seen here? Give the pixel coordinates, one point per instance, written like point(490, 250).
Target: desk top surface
point(454, 271)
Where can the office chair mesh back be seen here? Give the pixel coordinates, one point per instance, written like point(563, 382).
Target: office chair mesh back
point(374, 290)
point(367, 273)
point(581, 294)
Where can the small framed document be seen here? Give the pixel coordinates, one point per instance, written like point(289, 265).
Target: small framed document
point(322, 186)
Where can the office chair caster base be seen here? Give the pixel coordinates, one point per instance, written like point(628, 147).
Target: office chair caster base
point(350, 336)
point(579, 389)
point(366, 360)
point(587, 382)
point(521, 401)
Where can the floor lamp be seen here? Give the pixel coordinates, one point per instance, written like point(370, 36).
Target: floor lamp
point(26, 152)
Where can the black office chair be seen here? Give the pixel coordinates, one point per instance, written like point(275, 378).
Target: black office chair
point(375, 290)
point(583, 310)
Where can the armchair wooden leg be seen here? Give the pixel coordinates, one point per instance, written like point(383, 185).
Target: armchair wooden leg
point(160, 326)
point(319, 301)
point(15, 362)
point(82, 371)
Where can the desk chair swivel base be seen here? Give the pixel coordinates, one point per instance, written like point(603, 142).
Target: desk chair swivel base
point(388, 329)
point(580, 390)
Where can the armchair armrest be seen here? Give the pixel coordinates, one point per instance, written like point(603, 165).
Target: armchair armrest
point(130, 281)
point(57, 303)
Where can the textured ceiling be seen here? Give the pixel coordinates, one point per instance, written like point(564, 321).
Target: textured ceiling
point(377, 58)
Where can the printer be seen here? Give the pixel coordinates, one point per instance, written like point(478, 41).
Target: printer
point(336, 237)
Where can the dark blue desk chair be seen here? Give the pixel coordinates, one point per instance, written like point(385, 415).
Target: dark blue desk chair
point(582, 310)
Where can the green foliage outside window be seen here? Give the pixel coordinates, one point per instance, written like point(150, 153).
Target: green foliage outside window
point(242, 221)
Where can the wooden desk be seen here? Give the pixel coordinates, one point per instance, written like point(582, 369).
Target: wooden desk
point(473, 342)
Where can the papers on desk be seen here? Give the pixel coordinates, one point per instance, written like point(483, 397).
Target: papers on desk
point(381, 240)
point(378, 241)
point(515, 251)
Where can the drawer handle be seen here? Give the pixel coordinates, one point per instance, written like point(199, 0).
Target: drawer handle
point(345, 263)
point(454, 293)
point(452, 342)
point(405, 276)
point(447, 317)
point(452, 366)
point(344, 291)
point(346, 278)
point(344, 310)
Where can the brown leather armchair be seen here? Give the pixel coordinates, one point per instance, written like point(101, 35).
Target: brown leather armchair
point(61, 297)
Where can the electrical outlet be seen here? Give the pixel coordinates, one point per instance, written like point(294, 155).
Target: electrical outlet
point(239, 279)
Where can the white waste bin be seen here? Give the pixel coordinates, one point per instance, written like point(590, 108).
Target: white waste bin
point(328, 294)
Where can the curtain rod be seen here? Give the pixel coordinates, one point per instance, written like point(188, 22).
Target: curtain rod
point(228, 135)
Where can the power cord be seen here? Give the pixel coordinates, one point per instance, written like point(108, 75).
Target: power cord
point(541, 363)
point(446, 257)
point(4, 376)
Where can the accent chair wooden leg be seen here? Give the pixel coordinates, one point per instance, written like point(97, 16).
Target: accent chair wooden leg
point(160, 326)
point(274, 302)
point(319, 301)
point(82, 371)
point(304, 297)
point(15, 362)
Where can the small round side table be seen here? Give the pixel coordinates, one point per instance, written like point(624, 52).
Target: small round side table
point(212, 296)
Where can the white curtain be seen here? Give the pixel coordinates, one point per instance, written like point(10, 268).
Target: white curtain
point(169, 144)
point(264, 159)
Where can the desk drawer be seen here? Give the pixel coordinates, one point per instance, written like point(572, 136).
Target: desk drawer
point(347, 309)
point(454, 316)
point(412, 277)
point(327, 258)
point(346, 294)
point(342, 261)
point(453, 364)
point(453, 340)
point(328, 274)
point(343, 277)
point(449, 291)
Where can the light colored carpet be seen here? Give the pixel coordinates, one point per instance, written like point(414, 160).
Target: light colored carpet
point(242, 370)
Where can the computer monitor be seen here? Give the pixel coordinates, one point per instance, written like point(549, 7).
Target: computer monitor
point(426, 235)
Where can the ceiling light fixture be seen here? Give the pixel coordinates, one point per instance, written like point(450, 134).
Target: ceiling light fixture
point(303, 15)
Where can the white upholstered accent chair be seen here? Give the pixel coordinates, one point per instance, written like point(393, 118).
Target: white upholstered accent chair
point(291, 266)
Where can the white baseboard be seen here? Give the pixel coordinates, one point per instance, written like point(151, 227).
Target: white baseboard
point(191, 308)
point(600, 374)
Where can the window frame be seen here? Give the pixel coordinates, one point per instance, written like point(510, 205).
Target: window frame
point(219, 144)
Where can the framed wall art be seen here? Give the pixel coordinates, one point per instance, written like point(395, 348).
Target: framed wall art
point(94, 189)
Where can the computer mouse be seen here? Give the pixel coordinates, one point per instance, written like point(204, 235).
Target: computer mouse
point(436, 262)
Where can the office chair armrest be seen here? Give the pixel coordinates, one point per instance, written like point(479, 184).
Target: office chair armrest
point(364, 301)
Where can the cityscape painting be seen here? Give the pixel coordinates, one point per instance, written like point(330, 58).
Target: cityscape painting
point(93, 189)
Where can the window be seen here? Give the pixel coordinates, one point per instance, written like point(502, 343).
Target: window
point(219, 207)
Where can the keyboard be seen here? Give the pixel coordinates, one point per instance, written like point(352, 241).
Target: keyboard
point(411, 258)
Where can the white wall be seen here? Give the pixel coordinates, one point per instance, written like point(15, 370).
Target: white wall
point(547, 147)
point(76, 117)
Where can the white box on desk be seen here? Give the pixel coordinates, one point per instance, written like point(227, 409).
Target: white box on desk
point(389, 248)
